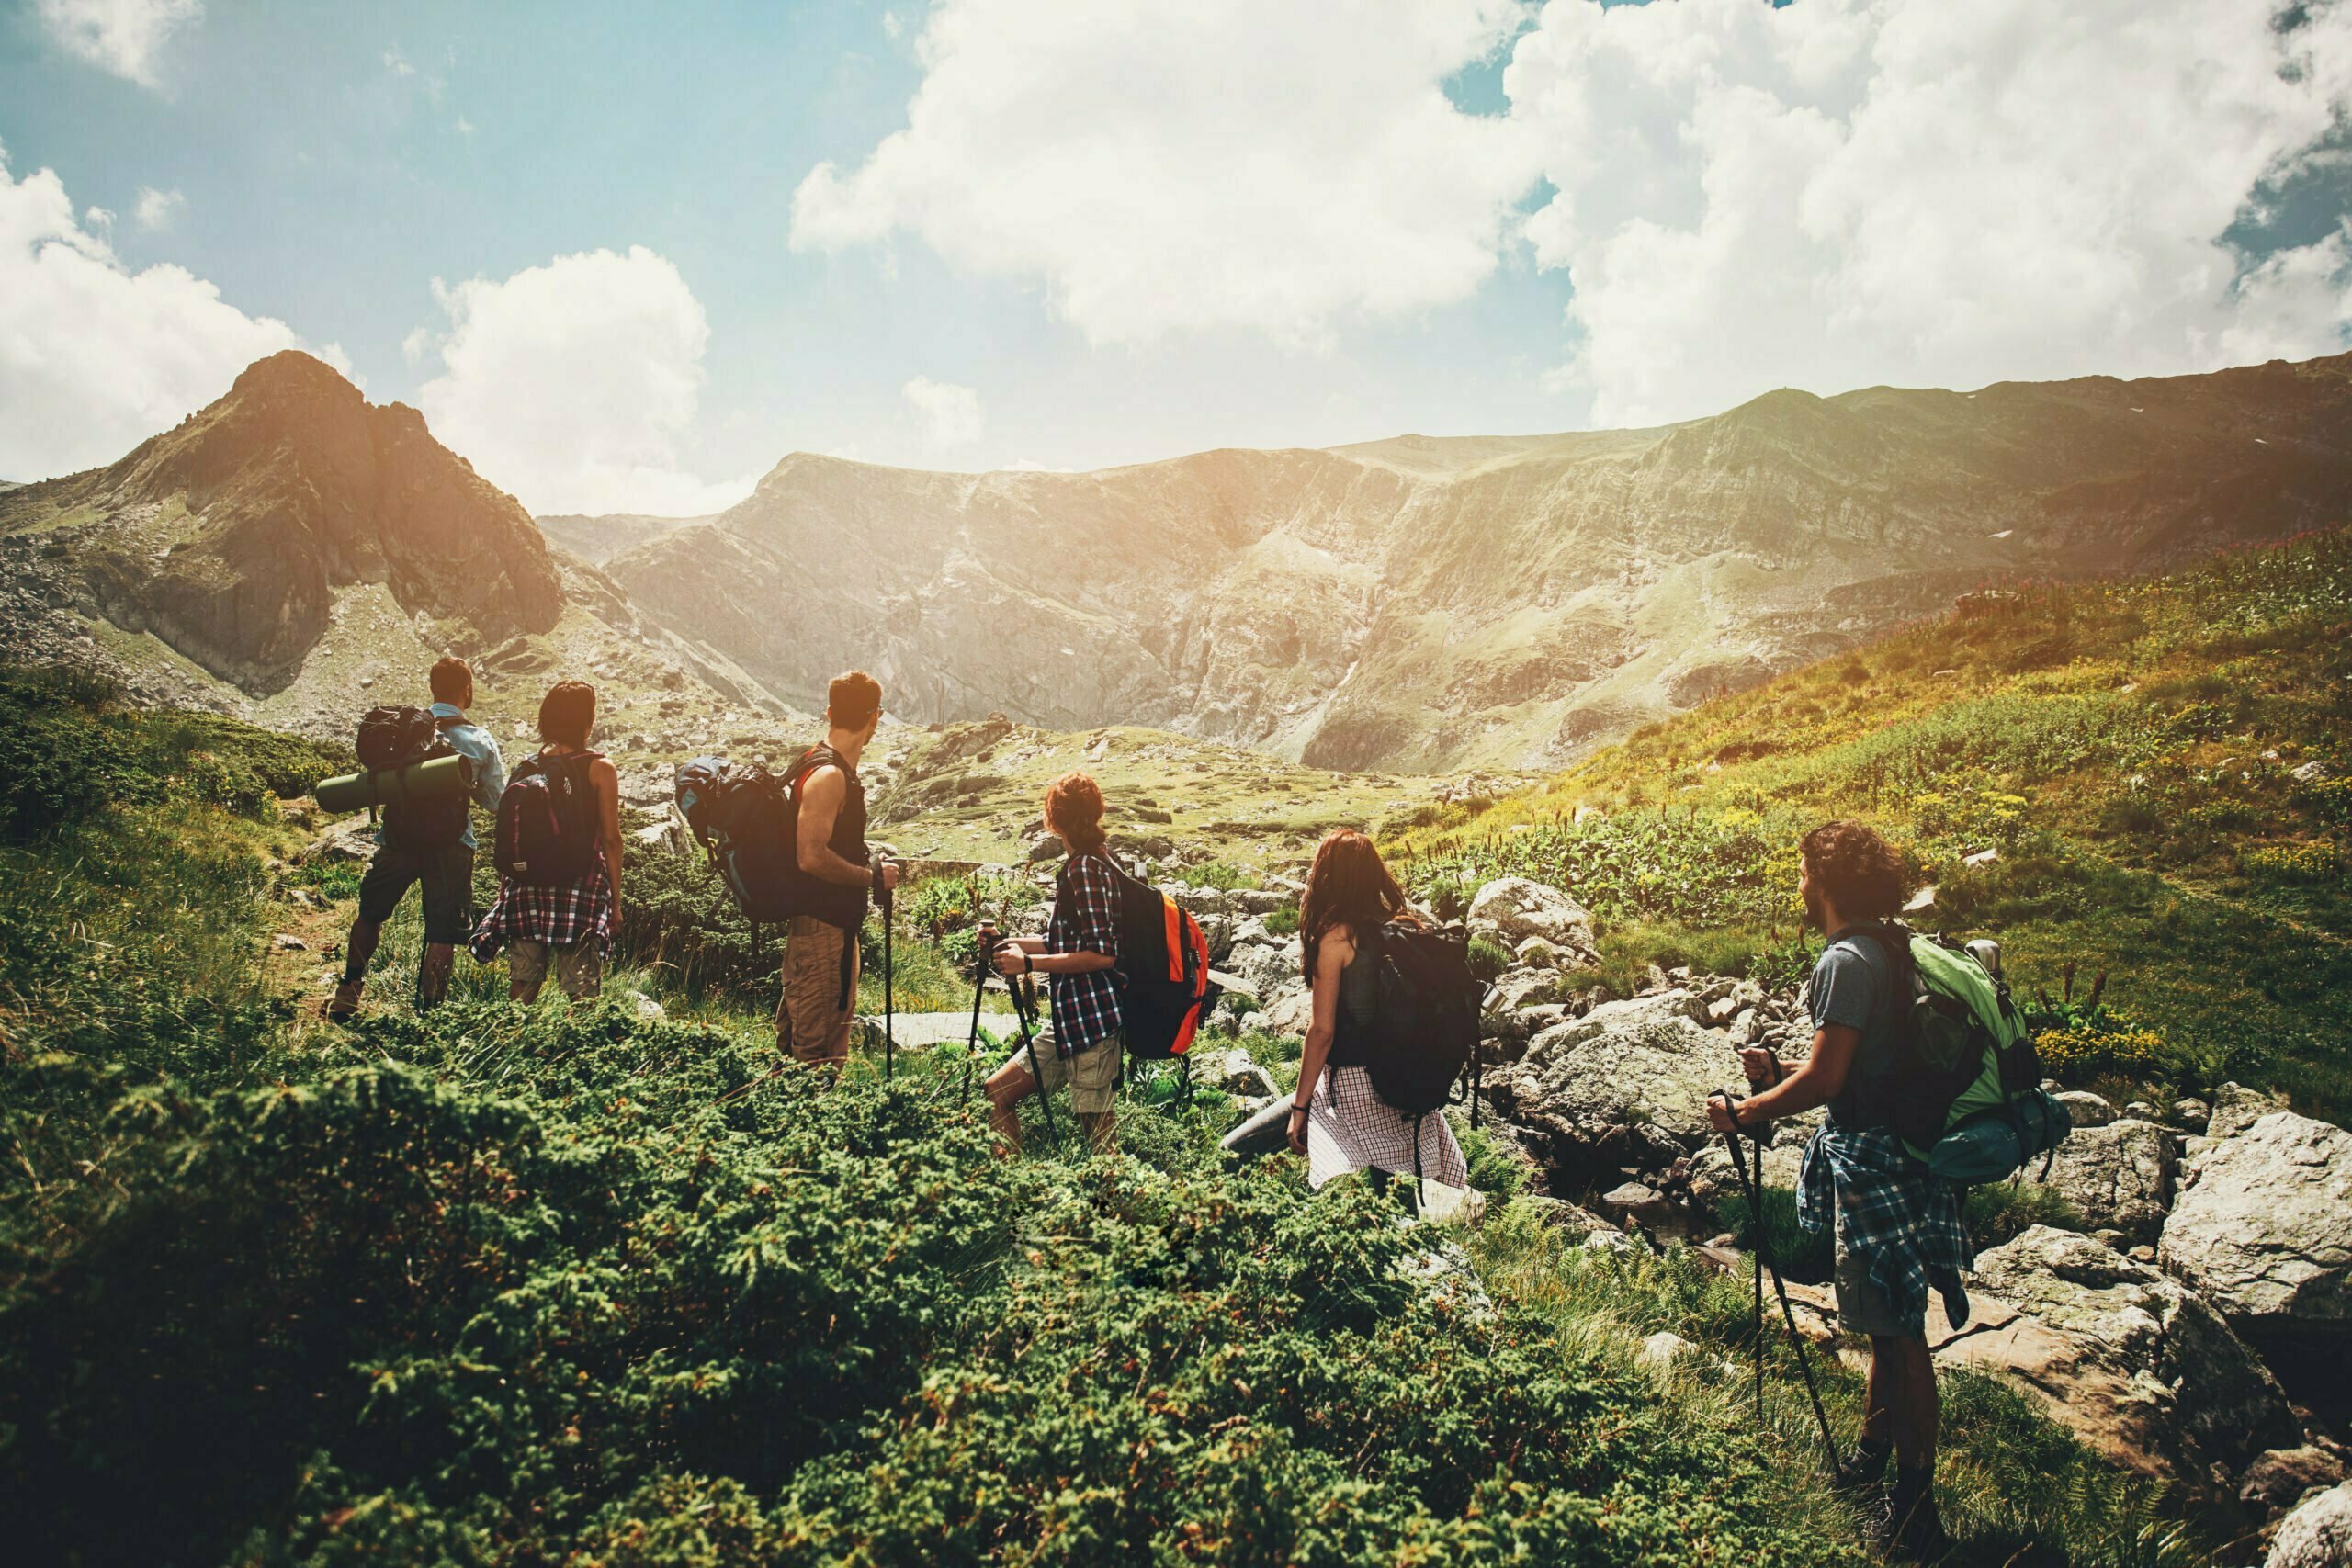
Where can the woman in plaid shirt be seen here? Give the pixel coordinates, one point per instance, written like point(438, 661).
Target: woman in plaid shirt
point(1082, 1046)
point(570, 926)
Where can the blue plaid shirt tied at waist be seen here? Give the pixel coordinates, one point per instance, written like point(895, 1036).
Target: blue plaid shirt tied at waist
point(1903, 1223)
point(1086, 1007)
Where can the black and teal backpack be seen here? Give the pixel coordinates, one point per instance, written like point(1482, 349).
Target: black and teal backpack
point(1964, 1091)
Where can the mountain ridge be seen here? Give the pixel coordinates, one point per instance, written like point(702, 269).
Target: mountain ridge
point(1427, 603)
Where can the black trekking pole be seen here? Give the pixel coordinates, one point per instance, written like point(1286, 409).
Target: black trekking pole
point(1024, 1010)
point(1753, 1186)
point(889, 977)
point(984, 944)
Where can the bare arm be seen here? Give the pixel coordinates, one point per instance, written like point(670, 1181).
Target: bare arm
point(1817, 1081)
point(1028, 956)
point(822, 793)
point(1339, 947)
point(606, 781)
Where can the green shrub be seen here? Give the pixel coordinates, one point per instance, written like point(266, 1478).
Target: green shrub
point(1219, 875)
point(1487, 957)
point(1801, 1255)
point(2003, 1211)
point(1283, 921)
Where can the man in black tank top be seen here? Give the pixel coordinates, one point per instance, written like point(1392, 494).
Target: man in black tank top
point(819, 1000)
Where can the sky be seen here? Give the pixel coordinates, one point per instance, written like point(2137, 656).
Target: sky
point(626, 257)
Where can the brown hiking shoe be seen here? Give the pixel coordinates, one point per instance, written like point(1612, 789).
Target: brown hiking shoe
point(344, 1006)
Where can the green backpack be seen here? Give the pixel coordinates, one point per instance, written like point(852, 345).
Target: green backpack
point(1964, 1093)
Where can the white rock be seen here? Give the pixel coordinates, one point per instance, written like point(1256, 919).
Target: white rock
point(2264, 1231)
point(2119, 1176)
point(2318, 1534)
point(1512, 908)
point(1658, 1351)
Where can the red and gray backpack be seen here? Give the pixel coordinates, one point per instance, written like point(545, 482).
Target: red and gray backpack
point(549, 825)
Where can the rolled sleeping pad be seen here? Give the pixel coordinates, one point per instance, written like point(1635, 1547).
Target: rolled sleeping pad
point(435, 778)
point(1267, 1132)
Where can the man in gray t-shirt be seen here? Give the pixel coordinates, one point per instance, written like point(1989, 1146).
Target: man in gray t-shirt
point(1854, 881)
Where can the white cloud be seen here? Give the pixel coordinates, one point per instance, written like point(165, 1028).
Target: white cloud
point(98, 217)
point(1830, 194)
point(396, 63)
point(465, 126)
point(124, 37)
point(94, 357)
point(1847, 192)
point(574, 384)
point(1167, 168)
point(950, 414)
point(157, 209)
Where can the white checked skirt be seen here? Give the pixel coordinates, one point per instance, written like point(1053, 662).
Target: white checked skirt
point(1349, 1126)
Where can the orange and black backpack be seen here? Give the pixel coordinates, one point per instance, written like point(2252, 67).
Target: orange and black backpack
point(1163, 969)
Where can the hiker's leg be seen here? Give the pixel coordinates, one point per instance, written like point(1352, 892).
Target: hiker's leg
point(526, 970)
point(433, 974)
point(1881, 1394)
point(1094, 1092)
point(360, 947)
point(1102, 1130)
point(812, 1026)
point(1007, 1088)
point(580, 970)
point(447, 879)
point(1919, 1408)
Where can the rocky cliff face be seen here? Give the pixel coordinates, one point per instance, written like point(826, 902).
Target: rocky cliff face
point(1427, 603)
point(231, 538)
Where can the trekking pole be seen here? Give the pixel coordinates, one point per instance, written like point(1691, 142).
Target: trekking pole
point(1753, 1186)
point(889, 977)
point(984, 942)
point(1023, 1010)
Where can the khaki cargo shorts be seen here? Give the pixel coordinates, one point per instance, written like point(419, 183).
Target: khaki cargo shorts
point(1093, 1074)
point(811, 1022)
point(579, 966)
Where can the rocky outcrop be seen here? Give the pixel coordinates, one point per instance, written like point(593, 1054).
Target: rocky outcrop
point(2132, 1362)
point(2316, 1535)
point(230, 537)
point(2263, 1227)
point(2116, 1177)
point(1624, 1085)
point(1417, 603)
point(1515, 911)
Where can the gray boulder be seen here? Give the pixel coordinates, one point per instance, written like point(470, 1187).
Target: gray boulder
point(2236, 1108)
point(1512, 908)
point(2316, 1535)
point(2262, 1228)
point(1235, 1072)
point(2130, 1359)
point(2277, 1480)
point(2119, 1176)
point(2085, 1108)
point(1628, 1081)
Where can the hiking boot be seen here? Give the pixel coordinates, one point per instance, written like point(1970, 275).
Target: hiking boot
point(344, 1006)
point(1864, 1466)
point(1909, 1529)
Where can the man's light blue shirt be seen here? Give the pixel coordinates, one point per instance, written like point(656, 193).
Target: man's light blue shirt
point(474, 743)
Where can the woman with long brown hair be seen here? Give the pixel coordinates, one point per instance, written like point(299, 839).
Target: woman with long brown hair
point(1338, 1120)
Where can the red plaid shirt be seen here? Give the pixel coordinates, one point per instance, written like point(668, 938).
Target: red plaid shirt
point(558, 916)
point(1086, 1007)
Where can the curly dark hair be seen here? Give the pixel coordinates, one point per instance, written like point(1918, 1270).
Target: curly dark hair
point(1074, 810)
point(1858, 870)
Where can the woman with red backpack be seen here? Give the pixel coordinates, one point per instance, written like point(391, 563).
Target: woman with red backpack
point(1337, 1119)
point(558, 855)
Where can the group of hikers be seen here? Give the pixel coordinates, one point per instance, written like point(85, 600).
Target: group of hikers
point(1898, 1229)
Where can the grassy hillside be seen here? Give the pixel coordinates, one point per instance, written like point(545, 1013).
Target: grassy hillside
point(530, 1286)
point(2161, 771)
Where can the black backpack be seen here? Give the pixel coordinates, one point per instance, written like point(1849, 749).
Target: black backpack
point(396, 736)
point(548, 827)
point(747, 824)
point(1424, 1032)
point(1163, 968)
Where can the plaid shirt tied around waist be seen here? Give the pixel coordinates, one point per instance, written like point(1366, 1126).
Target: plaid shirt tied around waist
point(1086, 1007)
point(1903, 1223)
point(557, 916)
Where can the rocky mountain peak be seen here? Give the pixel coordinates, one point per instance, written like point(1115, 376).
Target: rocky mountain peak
point(230, 536)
